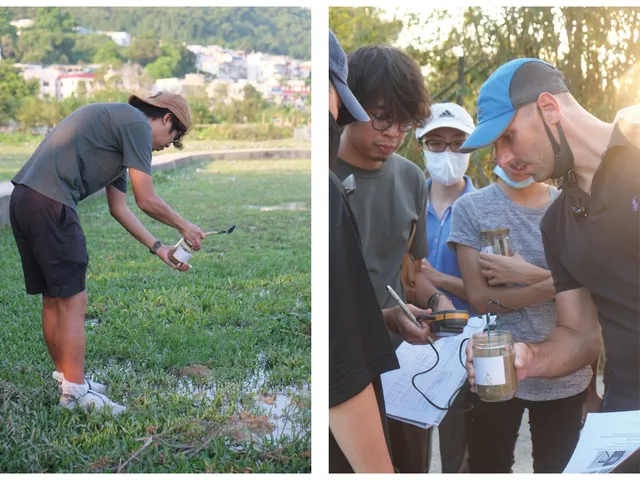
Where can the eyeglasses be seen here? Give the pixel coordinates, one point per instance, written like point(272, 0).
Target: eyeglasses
point(382, 123)
point(440, 145)
point(179, 129)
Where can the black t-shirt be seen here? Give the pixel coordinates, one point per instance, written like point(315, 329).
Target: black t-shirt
point(359, 346)
point(592, 241)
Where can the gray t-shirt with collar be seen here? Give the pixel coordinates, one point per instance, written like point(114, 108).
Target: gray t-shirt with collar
point(88, 150)
point(490, 208)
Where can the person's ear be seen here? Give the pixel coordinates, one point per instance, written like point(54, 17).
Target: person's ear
point(548, 105)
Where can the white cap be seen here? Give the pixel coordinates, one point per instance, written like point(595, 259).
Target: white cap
point(449, 115)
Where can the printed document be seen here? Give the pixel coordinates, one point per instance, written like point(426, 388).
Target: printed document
point(403, 402)
point(606, 440)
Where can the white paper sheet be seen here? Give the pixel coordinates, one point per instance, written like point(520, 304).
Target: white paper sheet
point(403, 402)
point(606, 440)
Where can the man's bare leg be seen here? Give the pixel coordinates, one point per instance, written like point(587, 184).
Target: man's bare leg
point(70, 338)
point(50, 328)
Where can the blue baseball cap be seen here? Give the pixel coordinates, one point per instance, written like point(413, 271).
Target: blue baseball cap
point(338, 72)
point(513, 85)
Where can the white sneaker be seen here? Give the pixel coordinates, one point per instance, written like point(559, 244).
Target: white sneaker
point(91, 399)
point(95, 386)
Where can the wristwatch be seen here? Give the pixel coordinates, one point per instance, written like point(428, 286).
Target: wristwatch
point(433, 299)
point(156, 245)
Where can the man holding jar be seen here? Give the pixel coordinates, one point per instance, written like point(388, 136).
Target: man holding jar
point(591, 232)
point(100, 145)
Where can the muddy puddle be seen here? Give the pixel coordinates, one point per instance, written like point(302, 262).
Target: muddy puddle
point(276, 417)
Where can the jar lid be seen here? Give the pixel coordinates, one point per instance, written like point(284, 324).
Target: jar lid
point(494, 233)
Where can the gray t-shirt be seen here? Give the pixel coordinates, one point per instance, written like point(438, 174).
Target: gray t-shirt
point(385, 202)
point(490, 208)
point(88, 150)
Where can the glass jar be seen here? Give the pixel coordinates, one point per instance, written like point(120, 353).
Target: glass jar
point(493, 362)
point(496, 241)
point(181, 252)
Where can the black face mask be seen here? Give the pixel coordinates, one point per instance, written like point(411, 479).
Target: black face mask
point(563, 161)
point(335, 131)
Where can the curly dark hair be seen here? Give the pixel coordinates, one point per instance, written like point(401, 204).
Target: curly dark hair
point(384, 76)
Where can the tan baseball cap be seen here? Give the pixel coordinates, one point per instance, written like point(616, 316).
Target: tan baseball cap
point(173, 102)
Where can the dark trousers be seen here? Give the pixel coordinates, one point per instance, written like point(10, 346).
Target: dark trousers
point(453, 437)
point(410, 447)
point(492, 431)
point(616, 403)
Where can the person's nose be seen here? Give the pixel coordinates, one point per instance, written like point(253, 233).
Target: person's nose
point(393, 131)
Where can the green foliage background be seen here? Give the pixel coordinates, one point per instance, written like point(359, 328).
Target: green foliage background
point(596, 48)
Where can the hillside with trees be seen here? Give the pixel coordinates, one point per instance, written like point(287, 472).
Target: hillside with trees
point(273, 30)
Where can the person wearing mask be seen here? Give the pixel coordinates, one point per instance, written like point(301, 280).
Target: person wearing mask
point(590, 233)
point(441, 138)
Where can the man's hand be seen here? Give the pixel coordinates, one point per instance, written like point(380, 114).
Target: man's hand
point(163, 253)
point(500, 269)
point(194, 234)
point(398, 322)
point(431, 273)
point(523, 359)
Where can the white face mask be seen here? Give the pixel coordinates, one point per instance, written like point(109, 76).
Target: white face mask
point(446, 168)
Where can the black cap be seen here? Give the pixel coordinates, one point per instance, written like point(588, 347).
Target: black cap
point(338, 72)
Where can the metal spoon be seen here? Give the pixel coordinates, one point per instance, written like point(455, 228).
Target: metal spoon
point(228, 230)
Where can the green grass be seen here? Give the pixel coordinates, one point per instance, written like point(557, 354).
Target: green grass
point(242, 312)
point(14, 157)
point(12, 160)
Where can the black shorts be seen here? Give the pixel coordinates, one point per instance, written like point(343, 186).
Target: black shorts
point(51, 243)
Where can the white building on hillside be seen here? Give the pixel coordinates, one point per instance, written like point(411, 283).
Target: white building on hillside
point(46, 77)
point(72, 84)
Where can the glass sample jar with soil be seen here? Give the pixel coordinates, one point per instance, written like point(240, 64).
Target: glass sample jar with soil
point(493, 362)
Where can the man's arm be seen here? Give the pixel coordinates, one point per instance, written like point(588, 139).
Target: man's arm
point(122, 213)
point(425, 289)
point(479, 292)
point(573, 344)
point(357, 428)
point(444, 281)
point(154, 206)
point(119, 210)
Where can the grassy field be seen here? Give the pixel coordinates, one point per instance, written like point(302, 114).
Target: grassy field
point(13, 157)
point(213, 364)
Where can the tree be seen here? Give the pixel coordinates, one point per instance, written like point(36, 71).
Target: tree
point(596, 48)
point(359, 26)
point(162, 67)
point(174, 61)
point(13, 89)
point(34, 112)
point(87, 46)
point(8, 35)
point(50, 40)
point(144, 49)
point(238, 28)
point(108, 53)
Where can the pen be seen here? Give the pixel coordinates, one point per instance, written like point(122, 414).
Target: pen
point(403, 306)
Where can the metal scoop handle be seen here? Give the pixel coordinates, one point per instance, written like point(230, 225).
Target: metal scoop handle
point(228, 230)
